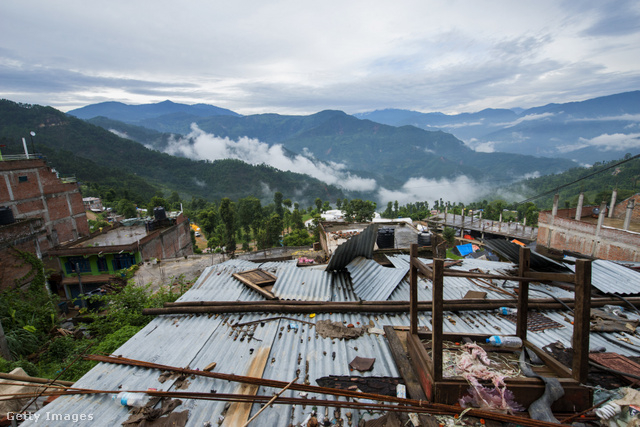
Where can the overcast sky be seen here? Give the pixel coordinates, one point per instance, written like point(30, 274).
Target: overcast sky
point(301, 57)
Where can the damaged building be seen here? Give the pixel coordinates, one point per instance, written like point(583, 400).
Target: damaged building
point(360, 342)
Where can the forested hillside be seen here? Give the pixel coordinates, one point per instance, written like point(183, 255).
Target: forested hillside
point(601, 179)
point(74, 146)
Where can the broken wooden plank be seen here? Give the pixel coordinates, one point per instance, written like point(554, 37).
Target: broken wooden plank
point(403, 364)
point(239, 412)
point(257, 280)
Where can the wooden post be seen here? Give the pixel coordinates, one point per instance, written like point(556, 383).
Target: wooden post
point(523, 293)
point(581, 321)
point(413, 289)
point(437, 317)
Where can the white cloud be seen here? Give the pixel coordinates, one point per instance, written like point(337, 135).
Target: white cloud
point(120, 134)
point(485, 147)
point(527, 118)
point(616, 141)
point(415, 54)
point(460, 189)
point(201, 145)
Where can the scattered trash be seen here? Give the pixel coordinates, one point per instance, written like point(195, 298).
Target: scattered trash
point(504, 341)
point(137, 400)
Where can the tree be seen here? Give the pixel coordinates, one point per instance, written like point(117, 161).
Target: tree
point(227, 215)
point(277, 200)
point(339, 203)
point(174, 200)
point(319, 204)
point(208, 221)
point(296, 220)
point(249, 210)
point(388, 213)
point(449, 234)
point(126, 208)
point(156, 201)
point(360, 210)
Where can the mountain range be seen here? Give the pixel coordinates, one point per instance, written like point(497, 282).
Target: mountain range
point(391, 155)
point(589, 131)
point(97, 156)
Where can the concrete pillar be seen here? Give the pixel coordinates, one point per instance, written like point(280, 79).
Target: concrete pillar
point(603, 208)
point(556, 200)
point(579, 208)
point(627, 217)
point(612, 205)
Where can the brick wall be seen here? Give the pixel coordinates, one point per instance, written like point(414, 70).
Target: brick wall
point(25, 235)
point(620, 210)
point(170, 242)
point(567, 234)
point(32, 190)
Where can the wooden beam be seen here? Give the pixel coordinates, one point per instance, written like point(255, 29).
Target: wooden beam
point(402, 363)
point(413, 290)
point(523, 293)
point(550, 361)
point(581, 321)
point(437, 317)
point(422, 364)
point(550, 277)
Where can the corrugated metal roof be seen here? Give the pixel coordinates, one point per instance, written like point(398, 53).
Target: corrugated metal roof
point(197, 340)
point(511, 251)
point(612, 278)
point(359, 245)
point(372, 281)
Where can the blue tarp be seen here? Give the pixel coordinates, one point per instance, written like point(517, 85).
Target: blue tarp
point(465, 249)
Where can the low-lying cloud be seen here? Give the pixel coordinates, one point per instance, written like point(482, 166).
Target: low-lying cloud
point(460, 189)
point(200, 145)
point(616, 141)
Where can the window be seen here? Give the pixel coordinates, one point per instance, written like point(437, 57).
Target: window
point(121, 261)
point(23, 178)
point(102, 264)
point(82, 264)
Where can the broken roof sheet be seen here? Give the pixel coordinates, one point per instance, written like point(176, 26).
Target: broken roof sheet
point(359, 245)
point(197, 340)
point(612, 278)
point(374, 282)
point(511, 251)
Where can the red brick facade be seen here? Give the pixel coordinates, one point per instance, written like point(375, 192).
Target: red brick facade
point(33, 192)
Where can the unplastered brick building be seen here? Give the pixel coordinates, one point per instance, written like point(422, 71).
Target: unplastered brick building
point(38, 210)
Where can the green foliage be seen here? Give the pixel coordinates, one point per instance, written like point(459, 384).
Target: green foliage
point(359, 210)
point(97, 225)
point(299, 237)
point(8, 366)
point(28, 315)
point(227, 215)
point(449, 234)
point(597, 188)
point(127, 209)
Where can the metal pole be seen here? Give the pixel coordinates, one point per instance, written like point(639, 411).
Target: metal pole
point(82, 301)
